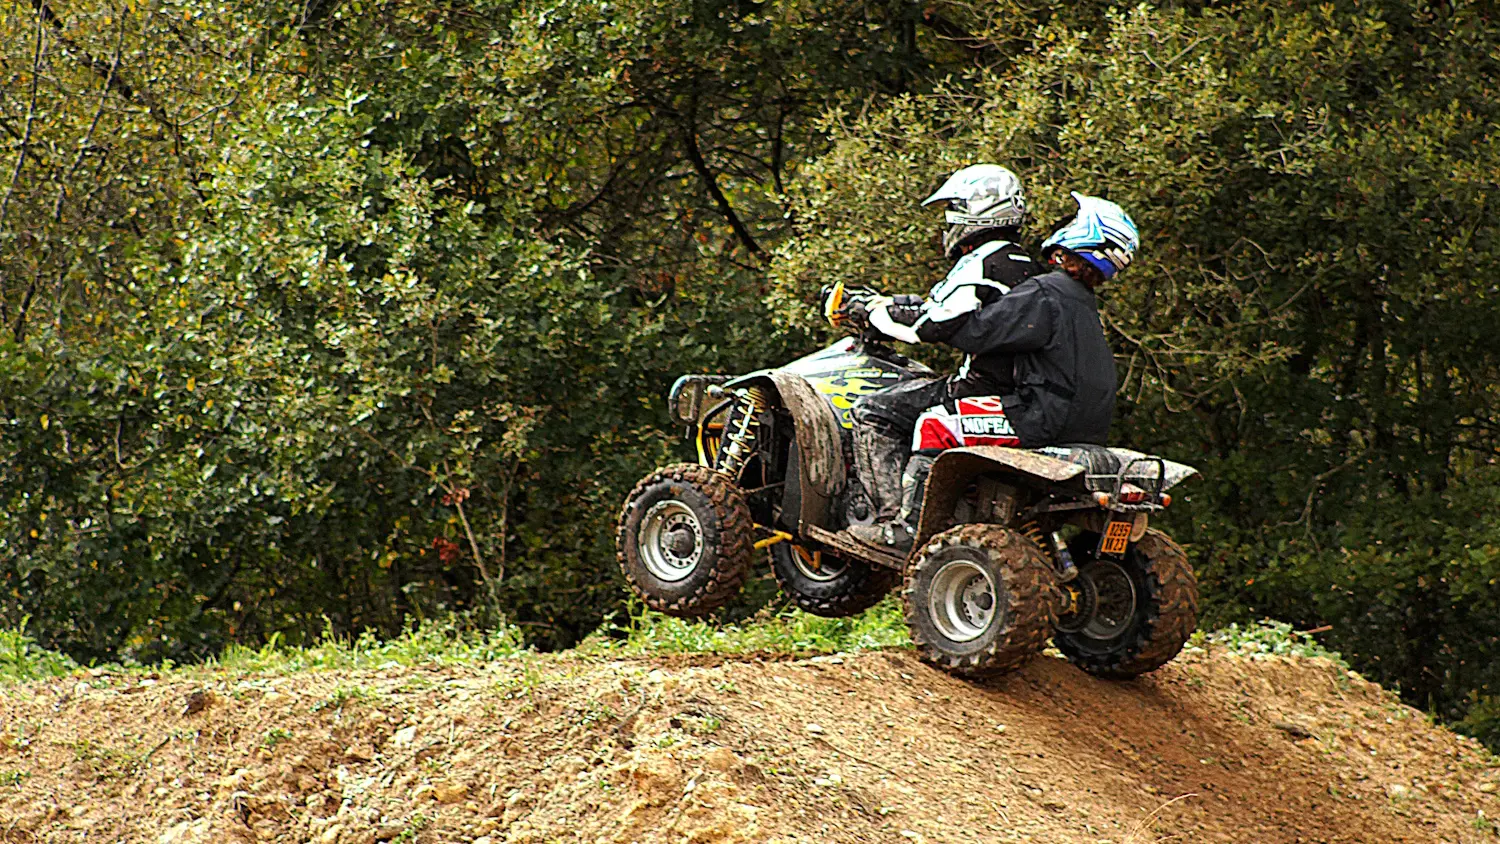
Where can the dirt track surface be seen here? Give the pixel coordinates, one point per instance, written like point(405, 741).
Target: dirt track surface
point(875, 747)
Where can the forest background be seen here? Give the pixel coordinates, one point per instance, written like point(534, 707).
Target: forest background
point(324, 319)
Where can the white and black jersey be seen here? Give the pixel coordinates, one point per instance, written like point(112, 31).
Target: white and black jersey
point(979, 278)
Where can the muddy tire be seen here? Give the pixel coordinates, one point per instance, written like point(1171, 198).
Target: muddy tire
point(685, 540)
point(979, 600)
point(1124, 639)
point(829, 585)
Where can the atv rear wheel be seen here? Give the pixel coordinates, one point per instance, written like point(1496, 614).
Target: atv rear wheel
point(828, 585)
point(980, 600)
point(685, 539)
point(1133, 615)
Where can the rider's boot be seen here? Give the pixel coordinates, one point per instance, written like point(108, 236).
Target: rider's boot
point(898, 532)
point(879, 458)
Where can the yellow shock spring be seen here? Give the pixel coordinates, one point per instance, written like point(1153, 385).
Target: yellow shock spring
point(1069, 594)
point(708, 445)
point(1033, 532)
point(734, 449)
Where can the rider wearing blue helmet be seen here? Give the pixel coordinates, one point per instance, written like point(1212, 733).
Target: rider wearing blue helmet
point(1063, 384)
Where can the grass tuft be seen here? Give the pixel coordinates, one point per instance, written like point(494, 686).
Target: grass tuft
point(22, 659)
point(430, 643)
point(1266, 639)
point(787, 631)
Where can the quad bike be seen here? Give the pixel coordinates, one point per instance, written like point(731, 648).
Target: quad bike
point(1014, 547)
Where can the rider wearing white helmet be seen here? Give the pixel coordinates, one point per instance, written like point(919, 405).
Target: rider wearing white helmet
point(985, 207)
point(1062, 388)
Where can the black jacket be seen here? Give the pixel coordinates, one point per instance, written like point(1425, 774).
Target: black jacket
point(1064, 388)
point(990, 373)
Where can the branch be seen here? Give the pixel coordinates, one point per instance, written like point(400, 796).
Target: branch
point(36, 75)
point(115, 81)
point(951, 31)
point(690, 144)
point(88, 137)
point(15, 174)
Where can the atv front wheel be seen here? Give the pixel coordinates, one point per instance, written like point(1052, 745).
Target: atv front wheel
point(827, 585)
point(979, 600)
point(685, 540)
point(1128, 616)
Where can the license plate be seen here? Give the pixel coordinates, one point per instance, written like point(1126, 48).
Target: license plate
point(1117, 537)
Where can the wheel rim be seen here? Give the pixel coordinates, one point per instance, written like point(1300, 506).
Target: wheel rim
point(816, 565)
point(1114, 600)
point(963, 601)
point(671, 541)
point(1084, 598)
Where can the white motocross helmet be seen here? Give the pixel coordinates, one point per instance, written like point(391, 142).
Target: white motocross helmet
point(1101, 233)
point(980, 197)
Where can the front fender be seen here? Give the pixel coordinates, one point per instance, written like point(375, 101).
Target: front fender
point(821, 473)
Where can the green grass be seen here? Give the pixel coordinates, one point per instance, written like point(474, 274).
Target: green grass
point(414, 827)
point(22, 659)
point(1482, 720)
point(430, 643)
point(342, 696)
point(788, 631)
point(106, 762)
point(275, 736)
point(644, 633)
point(1265, 639)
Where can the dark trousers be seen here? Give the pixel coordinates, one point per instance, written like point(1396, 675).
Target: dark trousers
point(883, 426)
point(893, 412)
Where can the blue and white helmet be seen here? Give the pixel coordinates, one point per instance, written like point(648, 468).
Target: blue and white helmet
point(1101, 233)
point(980, 197)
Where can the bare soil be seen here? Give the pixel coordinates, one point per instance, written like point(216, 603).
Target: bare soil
point(875, 747)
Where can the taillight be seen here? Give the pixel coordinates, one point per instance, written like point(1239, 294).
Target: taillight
point(1132, 494)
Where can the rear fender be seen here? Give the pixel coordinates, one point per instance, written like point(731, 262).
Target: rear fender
point(955, 467)
point(819, 457)
point(1137, 466)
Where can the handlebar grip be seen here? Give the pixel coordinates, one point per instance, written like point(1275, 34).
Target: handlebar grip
point(833, 306)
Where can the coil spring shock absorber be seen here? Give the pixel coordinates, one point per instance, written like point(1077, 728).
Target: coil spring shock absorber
point(739, 432)
point(1062, 558)
point(1076, 598)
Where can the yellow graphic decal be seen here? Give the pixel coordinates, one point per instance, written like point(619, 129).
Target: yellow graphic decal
point(842, 390)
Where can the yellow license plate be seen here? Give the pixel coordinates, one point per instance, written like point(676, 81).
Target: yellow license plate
point(1117, 537)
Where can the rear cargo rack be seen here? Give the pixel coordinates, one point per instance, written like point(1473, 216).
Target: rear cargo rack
point(1151, 485)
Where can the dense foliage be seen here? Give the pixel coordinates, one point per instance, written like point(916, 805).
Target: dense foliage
point(333, 320)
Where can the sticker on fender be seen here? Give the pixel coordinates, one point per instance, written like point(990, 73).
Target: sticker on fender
point(1116, 537)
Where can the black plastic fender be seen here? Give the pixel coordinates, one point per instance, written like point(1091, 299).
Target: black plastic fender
point(953, 467)
point(821, 473)
point(1024, 467)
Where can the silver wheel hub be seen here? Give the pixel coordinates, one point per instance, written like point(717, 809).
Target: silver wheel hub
point(671, 541)
point(962, 601)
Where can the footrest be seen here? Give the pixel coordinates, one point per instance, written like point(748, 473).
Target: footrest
point(851, 547)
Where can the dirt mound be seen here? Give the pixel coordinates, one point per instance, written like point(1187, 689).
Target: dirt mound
point(875, 747)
